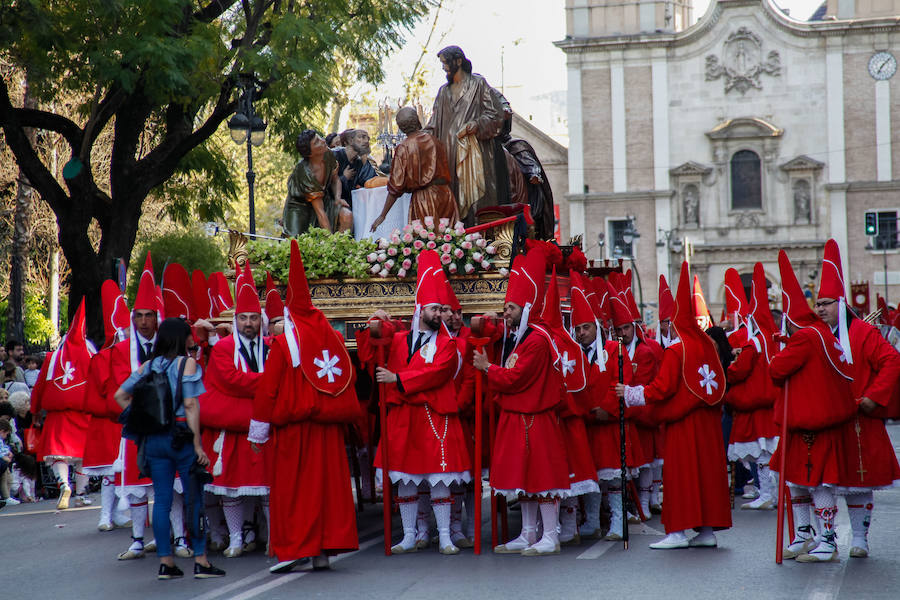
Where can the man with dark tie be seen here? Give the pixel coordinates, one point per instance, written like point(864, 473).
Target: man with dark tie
point(233, 374)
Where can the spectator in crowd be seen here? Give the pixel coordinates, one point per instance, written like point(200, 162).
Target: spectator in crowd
point(16, 354)
point(32, 369)
point(6, 456)
point(11, 381)
point(3, 354)
point(24, 471)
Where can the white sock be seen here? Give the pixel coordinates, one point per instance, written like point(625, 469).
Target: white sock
point(801, 503)
point(408, 501)
point(549, 508)
point(424, 507)
point(81, 482)
point(528, 535)
point(138, 516)
point(456, 513)
point(645, 483)
point(234, 517)
point(826, 510)
point(859, 509)
point(107, 500)
point(567, 520)
point(61, 470)
point(766, 483)
point(176, 515)
point(28, 487)
point(441, 504)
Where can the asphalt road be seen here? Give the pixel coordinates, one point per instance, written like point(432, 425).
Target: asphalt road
point(49, 554)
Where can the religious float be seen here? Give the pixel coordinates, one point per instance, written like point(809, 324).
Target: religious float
point(350, 278)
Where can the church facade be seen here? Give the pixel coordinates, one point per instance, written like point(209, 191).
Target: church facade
point(730, 139)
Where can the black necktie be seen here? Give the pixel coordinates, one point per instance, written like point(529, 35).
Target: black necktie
point(254, 366)
point(590, 354)
point(147, 351)
point(418, 343)
point(508, 346)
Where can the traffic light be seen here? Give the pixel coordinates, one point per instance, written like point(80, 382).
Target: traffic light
point(871, 223)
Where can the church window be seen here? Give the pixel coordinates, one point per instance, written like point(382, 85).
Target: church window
point(887, 237)
point(746, 181)
point(617, 248)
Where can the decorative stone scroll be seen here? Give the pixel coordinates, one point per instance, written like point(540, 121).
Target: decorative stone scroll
point(742, 62)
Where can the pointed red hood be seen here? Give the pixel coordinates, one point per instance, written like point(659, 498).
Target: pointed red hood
point(246, 296)
point(832, 282)
point(67, 372)
point(735, 297)
point(202, 300)
point(666, 301)
point(178, 293)
point(146, 294)
point(274, 304)
point(582, 311)
point(701, 312)
point(572, 359)
point(116, 316)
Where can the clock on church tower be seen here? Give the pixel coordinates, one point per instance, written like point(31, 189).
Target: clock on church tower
point(882, 66)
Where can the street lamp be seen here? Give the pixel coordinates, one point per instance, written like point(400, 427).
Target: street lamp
point(247, 126)
point(629, 234)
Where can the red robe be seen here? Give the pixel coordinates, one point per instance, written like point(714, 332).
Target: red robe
point(695, 476)
point(311, 505)
point(423, 409)
point(751, 395)
point(604, 436)
point(64, 431)
point(819, 402)
point(529, 453)
point(227, 406)
point(105, 433)
point(120, 369)
point(645, 365)
point(872, 461)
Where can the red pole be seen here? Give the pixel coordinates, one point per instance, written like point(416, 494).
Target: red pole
point(492, 426)
point(782, 481)
point(387, 489)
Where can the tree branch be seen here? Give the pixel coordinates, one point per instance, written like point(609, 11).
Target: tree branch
point(213, 10)
point(41, 119)
point(37, 173)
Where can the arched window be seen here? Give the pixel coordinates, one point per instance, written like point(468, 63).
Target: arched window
point(746, 180)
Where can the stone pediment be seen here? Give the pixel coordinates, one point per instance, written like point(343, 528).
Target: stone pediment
point(744, 128)
point(690, 168)
point(802, 163)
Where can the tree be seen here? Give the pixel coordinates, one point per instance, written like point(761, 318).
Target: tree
point(159, 78)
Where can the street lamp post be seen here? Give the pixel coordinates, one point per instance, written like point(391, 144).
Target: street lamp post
point(247, 126)
point(629, 234)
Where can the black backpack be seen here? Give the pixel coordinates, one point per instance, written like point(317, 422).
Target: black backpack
point(152, 405)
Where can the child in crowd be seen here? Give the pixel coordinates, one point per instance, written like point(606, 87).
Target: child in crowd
point(32, 369)
point(6, 455)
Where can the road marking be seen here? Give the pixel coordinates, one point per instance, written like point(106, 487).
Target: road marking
point(218, 592)
point(48, 511)
point(256, 591)
point(597, 550)
point(827, 585)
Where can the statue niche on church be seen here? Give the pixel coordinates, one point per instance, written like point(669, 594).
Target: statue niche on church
point(802, 201)
point(691, 196)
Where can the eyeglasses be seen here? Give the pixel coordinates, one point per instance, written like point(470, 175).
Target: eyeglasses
point(824, 303)
point(193, 349)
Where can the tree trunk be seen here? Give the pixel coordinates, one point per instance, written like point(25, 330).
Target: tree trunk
point(54, 298)
point(20, 243)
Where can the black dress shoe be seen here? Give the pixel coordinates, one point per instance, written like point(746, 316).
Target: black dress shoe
point(208, 572)
point(167, 572)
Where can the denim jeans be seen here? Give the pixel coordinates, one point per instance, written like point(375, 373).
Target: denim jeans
point(163, 461)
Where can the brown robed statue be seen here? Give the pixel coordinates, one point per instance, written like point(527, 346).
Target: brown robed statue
point(420, 168)
point(467, 116)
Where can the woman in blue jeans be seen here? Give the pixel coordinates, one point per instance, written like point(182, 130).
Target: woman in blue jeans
point(171, 451)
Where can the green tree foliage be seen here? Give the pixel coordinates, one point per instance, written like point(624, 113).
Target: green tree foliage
point(38, 328)
point(159, 79)
point(192, 249)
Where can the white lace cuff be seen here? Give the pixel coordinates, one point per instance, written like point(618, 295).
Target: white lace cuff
point(259, 432)
point(213, 339)
point(634, 395)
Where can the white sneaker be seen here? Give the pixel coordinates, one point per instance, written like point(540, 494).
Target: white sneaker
point(516, 546)
point(704, 539)
point(285, 566)
point(105, 526)
point(761, 503)
point(859, 548)
point(65, 492)
point(12, 501)
point(825, 551)
point(672, 541)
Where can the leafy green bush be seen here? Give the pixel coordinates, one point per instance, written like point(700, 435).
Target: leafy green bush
point(192, 249)
point(324, 255)
point(38, 328)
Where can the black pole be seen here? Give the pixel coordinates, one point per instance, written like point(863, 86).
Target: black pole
point(622, 445)
point(251, 179)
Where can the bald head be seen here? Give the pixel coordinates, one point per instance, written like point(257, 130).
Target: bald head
point(408, 120)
